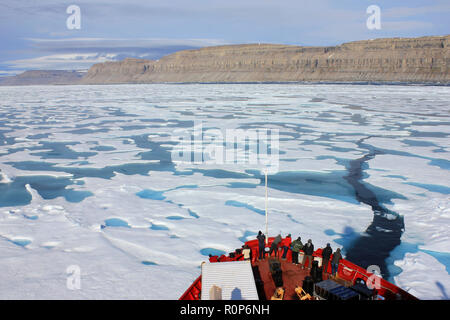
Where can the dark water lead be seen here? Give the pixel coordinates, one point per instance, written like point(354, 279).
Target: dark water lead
point(385, 231)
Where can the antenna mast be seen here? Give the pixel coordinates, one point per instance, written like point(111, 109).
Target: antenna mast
point(267, 225)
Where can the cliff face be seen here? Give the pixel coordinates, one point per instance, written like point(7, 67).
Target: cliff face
point(43, 77)
point(423, 59)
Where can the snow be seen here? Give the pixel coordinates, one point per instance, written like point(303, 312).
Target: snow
point(414, 279)
point(146, 226)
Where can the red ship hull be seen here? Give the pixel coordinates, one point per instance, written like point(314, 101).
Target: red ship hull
point(348, 273)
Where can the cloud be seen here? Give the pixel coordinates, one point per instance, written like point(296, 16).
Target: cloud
point(81, 53)
point(68, 61)
point(33, 32)
point(118, 44)
point(6, 73)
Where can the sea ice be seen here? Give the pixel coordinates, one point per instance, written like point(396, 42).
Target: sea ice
point(95, 163)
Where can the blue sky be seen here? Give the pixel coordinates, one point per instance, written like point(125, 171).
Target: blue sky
point(34, 35)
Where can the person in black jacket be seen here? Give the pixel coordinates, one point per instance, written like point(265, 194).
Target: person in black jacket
point(308, 250)
point(326, 254)
point(261, 245)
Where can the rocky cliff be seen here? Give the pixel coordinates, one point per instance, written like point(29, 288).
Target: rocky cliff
point(424, 59)
point(43, 77)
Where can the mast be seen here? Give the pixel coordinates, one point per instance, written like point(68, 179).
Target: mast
point(267, 225)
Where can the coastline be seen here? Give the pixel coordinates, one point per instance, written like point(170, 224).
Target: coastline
point(383, 61)
point(361, 83)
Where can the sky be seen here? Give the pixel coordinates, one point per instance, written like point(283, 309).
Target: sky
point(34, 34)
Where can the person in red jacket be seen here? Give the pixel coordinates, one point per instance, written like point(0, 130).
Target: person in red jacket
point(286, 244)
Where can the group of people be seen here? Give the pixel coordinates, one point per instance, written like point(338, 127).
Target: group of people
point(296, 246)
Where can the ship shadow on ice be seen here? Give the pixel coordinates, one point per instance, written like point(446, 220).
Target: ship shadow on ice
point(347, 236)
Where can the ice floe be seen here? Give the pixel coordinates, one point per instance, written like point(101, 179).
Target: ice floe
point(87, 180)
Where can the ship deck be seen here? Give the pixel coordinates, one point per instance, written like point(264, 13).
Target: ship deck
point(292, 275)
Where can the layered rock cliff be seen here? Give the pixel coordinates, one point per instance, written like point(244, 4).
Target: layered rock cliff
point(424, 59)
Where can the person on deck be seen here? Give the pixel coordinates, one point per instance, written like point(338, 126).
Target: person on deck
point(326, 254)
point(261, 245)
point(247, 253)
point(335, 262)
point(296, 246)
point(285, 244)
point(274, 246)
point(309, 250)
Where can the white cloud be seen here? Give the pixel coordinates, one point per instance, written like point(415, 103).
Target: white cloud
point(81, 53)
point(114, 44)
point(67, 61)
point(5, 73)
